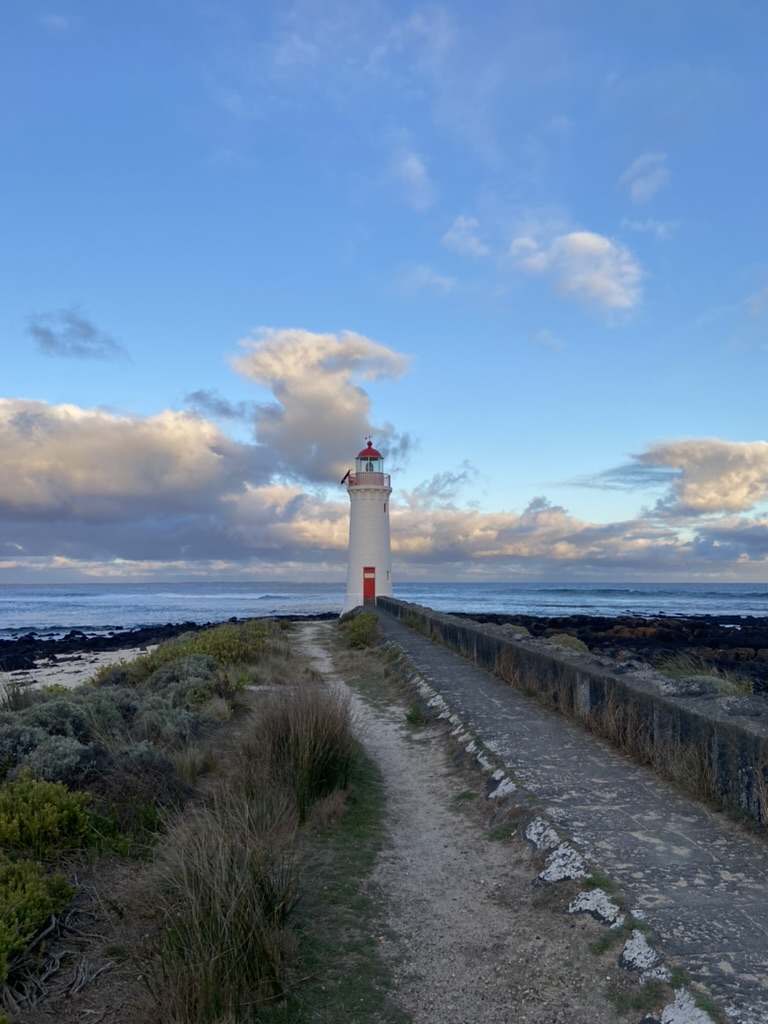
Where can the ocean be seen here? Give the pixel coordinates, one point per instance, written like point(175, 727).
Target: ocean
point(103, 607)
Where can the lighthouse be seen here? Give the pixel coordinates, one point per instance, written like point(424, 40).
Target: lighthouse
point(369, 571)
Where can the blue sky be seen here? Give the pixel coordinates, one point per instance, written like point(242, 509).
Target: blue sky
point(522, 244)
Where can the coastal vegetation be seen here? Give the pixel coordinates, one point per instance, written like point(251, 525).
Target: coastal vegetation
point(360, 630)
point(683, 665)
point(217, 766)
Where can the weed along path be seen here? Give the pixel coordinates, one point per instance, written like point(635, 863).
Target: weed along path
point(467, 937)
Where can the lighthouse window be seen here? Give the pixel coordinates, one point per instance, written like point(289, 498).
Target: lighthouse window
point(369, 467)
point(385, 506)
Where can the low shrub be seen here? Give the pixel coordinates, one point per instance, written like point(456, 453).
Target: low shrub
point(28, 896)
point(17, 741)
point(64, 759)
point(73, 737)
point(41, 818)
point(362, 631)
point(139, 789)
point(229, 644)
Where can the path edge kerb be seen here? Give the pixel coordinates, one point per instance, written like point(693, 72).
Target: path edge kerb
point(687, 732)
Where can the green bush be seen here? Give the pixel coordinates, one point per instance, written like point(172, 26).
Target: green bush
point(228, 644)
point(139, 789)
point(362, 631)
point(18, 739)
point(28, 897)
point(64, 759)
point(41, 818)
point(75, 736)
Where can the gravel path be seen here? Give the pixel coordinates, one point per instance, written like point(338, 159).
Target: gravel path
point(473, 944)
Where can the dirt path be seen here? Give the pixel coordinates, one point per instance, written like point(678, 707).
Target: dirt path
point(474, 944)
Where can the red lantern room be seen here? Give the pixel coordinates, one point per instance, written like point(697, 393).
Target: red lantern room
point(368, 471)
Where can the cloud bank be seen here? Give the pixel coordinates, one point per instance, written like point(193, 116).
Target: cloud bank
point(84, 492)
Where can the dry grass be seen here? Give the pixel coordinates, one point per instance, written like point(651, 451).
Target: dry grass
point(625, 722)
point(629, 725)
point(224, 890)
point(691, 666)
point(568, 640)
point(226, 881)
point(303, 740)
point(761, 792)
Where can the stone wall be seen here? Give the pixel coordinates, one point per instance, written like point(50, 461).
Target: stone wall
point(715, 746)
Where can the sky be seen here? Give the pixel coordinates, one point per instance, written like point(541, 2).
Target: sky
point(519, 243)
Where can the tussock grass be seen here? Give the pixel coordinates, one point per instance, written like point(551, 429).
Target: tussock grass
point(225, 888)
point(303, 740)
point(691, 666)
point(226, 885)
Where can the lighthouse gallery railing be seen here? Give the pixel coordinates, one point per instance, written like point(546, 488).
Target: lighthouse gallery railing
point(368, 480)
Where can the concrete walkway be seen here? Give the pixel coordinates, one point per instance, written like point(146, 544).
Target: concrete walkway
point(699, 880)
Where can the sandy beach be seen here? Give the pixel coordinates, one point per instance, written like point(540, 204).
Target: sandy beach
point(71, 669)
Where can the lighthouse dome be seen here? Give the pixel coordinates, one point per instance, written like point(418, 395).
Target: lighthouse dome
point(370, 453)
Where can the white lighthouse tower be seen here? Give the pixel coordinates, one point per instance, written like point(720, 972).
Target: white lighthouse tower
point(369, 572)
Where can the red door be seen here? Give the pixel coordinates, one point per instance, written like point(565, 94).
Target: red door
point(369, 585)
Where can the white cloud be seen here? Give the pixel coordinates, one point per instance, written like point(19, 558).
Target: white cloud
point(662, 229)
point(71, 463)
point(424, 278)
point(645, 176)
point(319, 404)
point(412, 174)
point(711, 476)
point(462, 237)
point(57, 22)
point(586, 265)
point(548, 340)
point(82, 491)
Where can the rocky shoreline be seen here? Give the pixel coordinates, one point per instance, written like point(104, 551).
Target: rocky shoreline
point(27, 651)
point(732, 644)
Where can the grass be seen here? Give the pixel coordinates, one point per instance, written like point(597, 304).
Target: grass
point(224, 890)
point(680, 666)
point(599, 880)
point(416, 715)
point(466, 796)
point(226, 883)
point(346, 978)
point(302, 740)
point(643, 998)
